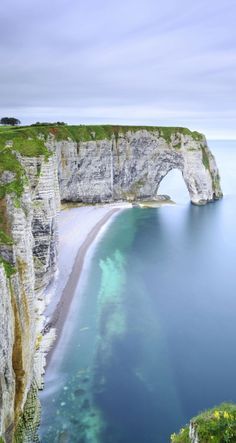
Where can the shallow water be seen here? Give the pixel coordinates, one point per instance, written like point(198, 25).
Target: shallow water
point(152, 329)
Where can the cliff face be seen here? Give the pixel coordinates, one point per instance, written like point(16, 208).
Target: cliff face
point(39, 168)
point(133, 165)
point(29, 264)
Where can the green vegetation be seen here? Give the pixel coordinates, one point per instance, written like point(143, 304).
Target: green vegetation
point(166, 133)
point(11, 121)
point(217, 425)
point(5, 239)
point(9, 162)
point(205, 159)
point(49, 124)
point(5, 128)
point(214, 177)
point(178, 146)
point(216, 181)
point(25, 140)
point(9, 269)
point(85, 133)
point(182, 437)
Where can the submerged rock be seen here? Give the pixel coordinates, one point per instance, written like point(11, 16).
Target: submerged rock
point(80, 392)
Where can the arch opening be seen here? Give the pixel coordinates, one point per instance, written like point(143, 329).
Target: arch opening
point(173, 184)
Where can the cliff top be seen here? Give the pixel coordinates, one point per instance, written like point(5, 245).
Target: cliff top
point(29, 139)
point(214, 425)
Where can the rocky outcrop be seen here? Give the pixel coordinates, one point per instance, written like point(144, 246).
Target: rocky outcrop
point(38, 174)
point(193, 435)
point(133, 165)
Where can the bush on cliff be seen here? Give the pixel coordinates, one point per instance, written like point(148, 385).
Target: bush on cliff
point(217, 425)
point(11, 121)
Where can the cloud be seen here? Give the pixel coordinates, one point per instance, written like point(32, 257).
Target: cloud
point(136, 62)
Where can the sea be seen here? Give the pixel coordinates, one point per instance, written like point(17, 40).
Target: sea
point(151, 340)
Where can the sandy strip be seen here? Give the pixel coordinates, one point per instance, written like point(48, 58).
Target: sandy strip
point(60, 311)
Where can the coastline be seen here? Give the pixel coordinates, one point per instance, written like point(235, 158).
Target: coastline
point(58, 316)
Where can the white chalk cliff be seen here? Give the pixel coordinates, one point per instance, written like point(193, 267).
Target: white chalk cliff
point(127, 164)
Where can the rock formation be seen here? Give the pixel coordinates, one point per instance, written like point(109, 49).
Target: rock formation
point(39, 167)
point(132, 166)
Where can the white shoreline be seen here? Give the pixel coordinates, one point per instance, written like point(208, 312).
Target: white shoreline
point(80, 229)
point(74, 225)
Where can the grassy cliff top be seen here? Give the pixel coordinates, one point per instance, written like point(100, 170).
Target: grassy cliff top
point(21, 135)
point(30, 141)
point(216, 425)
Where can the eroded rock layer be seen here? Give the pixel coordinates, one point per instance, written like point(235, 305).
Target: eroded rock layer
point(133, 165)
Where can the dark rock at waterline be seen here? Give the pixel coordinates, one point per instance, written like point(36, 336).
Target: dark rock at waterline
point(63, 437)
point(79, 391)
point(85, 379)
point(74, 421)
point(85, 404)
point(162, 198)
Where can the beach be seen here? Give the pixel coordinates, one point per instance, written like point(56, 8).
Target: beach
point(79, 227)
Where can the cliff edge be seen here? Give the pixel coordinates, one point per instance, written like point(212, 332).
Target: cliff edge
point(215, 425)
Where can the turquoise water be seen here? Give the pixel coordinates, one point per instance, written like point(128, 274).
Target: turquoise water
point(152, 331)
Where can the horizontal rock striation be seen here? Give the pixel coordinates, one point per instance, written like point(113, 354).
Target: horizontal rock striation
point(28, 266)
point(39, 167)
point(132, 166)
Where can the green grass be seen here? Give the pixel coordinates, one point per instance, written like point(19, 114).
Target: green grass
point(5, 128)
point(9, 162)
point(205, 159)
point(9, 269)
point(216, 425)
point(82, 133)
point(182, 437)
point(24, 140)
point(219, 423)
point(5, 239)
point(166, 133)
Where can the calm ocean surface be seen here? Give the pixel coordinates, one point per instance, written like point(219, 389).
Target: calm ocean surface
point(152, 336)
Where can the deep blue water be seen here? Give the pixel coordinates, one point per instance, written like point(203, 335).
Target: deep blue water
point(152, 338)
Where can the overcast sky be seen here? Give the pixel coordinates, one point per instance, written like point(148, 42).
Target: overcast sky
point(157, 62)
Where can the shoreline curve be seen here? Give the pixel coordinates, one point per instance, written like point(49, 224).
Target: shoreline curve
point(60, 313)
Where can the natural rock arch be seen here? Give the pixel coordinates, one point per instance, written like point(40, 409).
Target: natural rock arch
point(198, 178)
point(132, 166)
point(174, 186)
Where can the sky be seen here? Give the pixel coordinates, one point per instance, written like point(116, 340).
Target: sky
point(170, 63)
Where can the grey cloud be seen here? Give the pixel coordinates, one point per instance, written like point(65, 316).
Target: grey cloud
point(135, 62)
